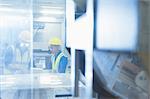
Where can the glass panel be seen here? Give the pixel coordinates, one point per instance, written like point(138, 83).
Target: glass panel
point(48, 45)
point(15, 36)
point(15, 47)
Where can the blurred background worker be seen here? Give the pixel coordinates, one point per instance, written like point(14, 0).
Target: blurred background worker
point(8, 54)
point(17, 55)
point(23, 47)
point(58, 59)
point(23, 51)
point(17, 60)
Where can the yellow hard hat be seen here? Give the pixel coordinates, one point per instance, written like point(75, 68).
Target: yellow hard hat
point(55, 41)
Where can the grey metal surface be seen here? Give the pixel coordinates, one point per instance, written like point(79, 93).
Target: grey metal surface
point(118, 80)
point(105, 62)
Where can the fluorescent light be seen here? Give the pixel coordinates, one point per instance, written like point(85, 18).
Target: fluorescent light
point(53, 7)
point(6, 82)
point(46, 19)
point(52, 11)
point(12, 10)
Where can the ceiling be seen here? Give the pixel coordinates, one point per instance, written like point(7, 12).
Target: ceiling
point(40, 8)
point(13, 3)
point(49, 8)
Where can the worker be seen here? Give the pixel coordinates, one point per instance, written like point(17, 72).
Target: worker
point(23, 60)
point(23, 48)
point(8, 54)
point(58, 59)
point(18, 55)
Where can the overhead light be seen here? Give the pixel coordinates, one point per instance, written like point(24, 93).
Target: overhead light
point(11, 9)
point(52, 7)
point(46, 19)
point(6, 82)
point(52, 11)
point(5, 4)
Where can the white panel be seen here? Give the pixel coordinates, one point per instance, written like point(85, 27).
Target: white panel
point(117, 24)
point(70, 18)
point(82, 35)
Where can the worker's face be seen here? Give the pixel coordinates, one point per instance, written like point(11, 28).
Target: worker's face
point(54, 49)
point(24, 44)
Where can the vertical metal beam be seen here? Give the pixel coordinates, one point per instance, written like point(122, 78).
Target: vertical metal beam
point(74, 74)
point(89, 52)
point(76, 88)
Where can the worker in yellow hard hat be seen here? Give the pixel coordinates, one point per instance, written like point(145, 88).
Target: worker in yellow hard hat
point(58, 59)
